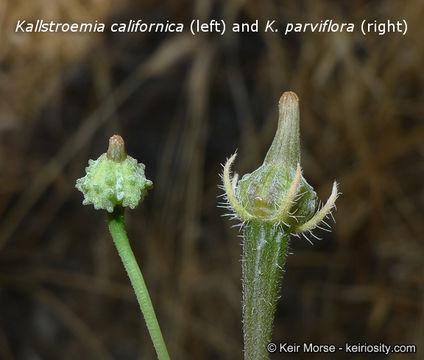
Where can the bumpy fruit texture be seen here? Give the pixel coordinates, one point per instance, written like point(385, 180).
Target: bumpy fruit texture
point(110, 183)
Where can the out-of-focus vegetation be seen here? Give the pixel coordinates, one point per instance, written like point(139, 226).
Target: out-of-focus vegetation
point(183, 104)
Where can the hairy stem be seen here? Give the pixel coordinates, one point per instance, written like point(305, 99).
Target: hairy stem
point(119, 235)
point(264, 253)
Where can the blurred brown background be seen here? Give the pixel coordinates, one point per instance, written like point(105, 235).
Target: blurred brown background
point(183, 104)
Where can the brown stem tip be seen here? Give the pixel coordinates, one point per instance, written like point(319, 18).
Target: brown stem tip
point(116, 151)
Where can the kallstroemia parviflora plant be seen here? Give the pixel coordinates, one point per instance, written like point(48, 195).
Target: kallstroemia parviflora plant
point(114, 181)
point(272, 203)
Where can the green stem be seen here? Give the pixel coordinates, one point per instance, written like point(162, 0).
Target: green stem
point(119, 235)
point(264, 253)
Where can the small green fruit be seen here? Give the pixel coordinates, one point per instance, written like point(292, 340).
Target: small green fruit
point(114, 179)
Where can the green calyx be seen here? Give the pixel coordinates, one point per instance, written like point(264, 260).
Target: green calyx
point(263, 191)
point(114, 179)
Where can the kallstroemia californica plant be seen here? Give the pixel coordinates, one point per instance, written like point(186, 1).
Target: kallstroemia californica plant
point(272, 203)
point(115, 181)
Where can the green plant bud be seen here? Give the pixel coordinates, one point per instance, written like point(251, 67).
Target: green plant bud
point(114, 179)
point(276, 193)
point(263, 191)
